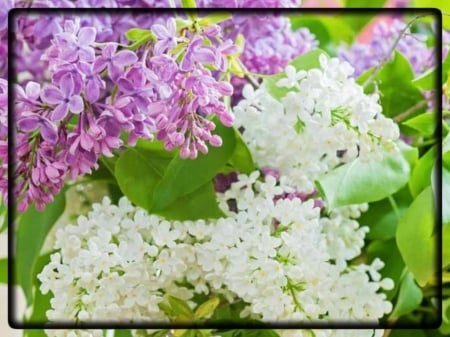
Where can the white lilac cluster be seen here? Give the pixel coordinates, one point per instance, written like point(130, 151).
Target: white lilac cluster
point(74, 333)
point(278, 256)
point(324, 119)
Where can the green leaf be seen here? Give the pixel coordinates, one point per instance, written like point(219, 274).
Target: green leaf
point(188, 4)
point(137, 34)
point(421, 174)
point(229, 312)
point(215, 18)
point(4, 270)
point(445, 327)
point(427, 80)
point(446, 245)
point(138, 171)
point(445, 68)
point(35, 333)
point(407, 333)
point(241, 159)
point(180, 307)
point(329, 31)
point(445, 195)
point(424, 123)
point(184, 176)
point(409, 296)
point(3, 217)
point(32, 231)
point(416, 237)
point(388, 252)
point(167, 309)
point(364, 3)
point(314, 24)
point(366, 181)
point(307, 61)
point(122, 333)
point(443, 6)
point(181, 333)
point(386, 227)
point(394, 75)
point(260, 333)
point(200, 204)
point(206, 308)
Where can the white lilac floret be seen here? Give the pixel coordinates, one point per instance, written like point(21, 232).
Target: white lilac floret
point(324, 119)
point(279, 256)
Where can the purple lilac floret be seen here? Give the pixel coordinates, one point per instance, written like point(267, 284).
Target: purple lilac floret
point(363, 56)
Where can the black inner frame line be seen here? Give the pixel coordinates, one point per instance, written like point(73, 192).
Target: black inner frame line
point(14, 323)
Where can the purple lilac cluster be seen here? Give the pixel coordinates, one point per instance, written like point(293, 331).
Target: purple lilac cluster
point(98, 91)
point(364, 56)
point(93, 89)
point(270, 42)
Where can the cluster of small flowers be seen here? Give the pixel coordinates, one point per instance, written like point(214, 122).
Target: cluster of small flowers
point(97, 92)
point(363, 56)
point(325, 105)
point(119, 261)
point(74, 333)
point(270, 42)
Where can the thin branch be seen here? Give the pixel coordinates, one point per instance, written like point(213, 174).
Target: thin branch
point(413, 109)
point(386, 58)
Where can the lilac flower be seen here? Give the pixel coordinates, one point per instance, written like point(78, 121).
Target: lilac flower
point(114, 62)
point(93, 82)
point(29, 97)
point(79, 48)
point(64, 69)
point(63, 98)
point(164, 67)
point(166, 36)
point(223, 50)
point(32, 122)
point(196, 51)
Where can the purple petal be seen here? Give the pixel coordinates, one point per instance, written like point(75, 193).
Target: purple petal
point(28, 124)
point(171, 27)
point(49, 131)
point(87, 54)
point(100, 64)
point(186, 62)
point(67, 85)
point(69, 54)
point(109, 50)
point(85, 68)
point(76, 104)
point(92, 91)
point(86, 142)
point(59, 112)
point(33, 90)
point(86, 36)
point(205, 55)
point(125, 85)
point(122, 102)
point(124, 58)
point(161, 46)
point(161, 31)
point(51, 172)
point(51, 95)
